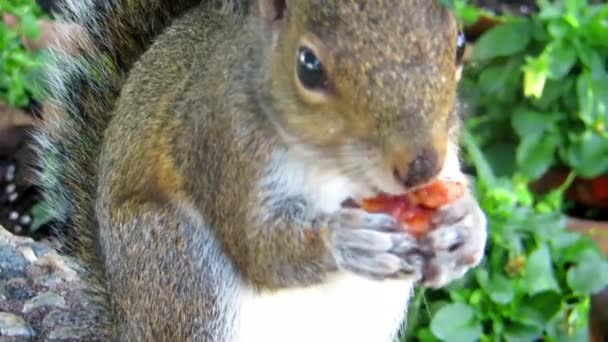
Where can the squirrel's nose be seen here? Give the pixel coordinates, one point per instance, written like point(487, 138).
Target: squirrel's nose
point(419, 170)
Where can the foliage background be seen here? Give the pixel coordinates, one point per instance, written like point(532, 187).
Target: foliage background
point(19, 67)
point(537, 91)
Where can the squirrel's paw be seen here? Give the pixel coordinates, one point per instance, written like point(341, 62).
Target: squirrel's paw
point(456, 245)
point(371, 245)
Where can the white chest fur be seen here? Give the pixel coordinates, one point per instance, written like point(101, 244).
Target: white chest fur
point(345, 308)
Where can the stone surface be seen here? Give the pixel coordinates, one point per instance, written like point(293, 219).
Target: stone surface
point(67, 333)
point(39, 249)
point(28, 253)
point(44, 299)
point(41, 294)
point(14, 339)
point(18, 289)
point(13, 325)
point(8, 274)
point(56, 318)
point(11, 259)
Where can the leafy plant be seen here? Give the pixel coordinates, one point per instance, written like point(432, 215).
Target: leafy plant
point(538, 97)
point(467, 13)
point(19, 68)
point(535, 280)
point(539, 89)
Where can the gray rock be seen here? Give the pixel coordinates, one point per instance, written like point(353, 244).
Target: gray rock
point(64, 333)
point(18, 290)
point(10, 273)
point(11, 259)
point(39, 249)
point(15, 339)
point(50, 280)
point(14, 326)
point(28, 253)
point(62, 268)
point(44, 287)
point(44, 299)
point(57, 318)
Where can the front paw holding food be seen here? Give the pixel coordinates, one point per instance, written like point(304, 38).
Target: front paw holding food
point(447, 222)
point(456, 244)
point(371, 245)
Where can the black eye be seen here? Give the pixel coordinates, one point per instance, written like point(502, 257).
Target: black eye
point(461, 43)
point(310, 70)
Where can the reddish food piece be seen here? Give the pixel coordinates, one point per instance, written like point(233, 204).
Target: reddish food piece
point(416, 208)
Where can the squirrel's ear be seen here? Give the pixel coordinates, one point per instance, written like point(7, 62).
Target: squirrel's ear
point(272, 10)
point(272, 13)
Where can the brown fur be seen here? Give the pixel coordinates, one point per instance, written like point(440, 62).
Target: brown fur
point(168, 195)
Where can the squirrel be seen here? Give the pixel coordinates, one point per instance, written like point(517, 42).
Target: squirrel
point(207, 147)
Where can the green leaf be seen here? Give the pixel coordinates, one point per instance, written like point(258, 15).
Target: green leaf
point(456, 322)
point(561, 59)
point(548, 304)
point(500, 289)
point(549, 11)
point(425, 335)
point(539, 274)
point(587, 154)
point(527, 122)
point(593, 98)
point(559, 29)
point(588, 277)
point(493, 79)
point(535, 154)
point(551, 94)
point(501, 156)
point(521, 333)
point(564, 240)
point(503, 40)
point(467, 14)
point(596, 30)
point(573, 8)
point(584, 248)
point(529, 316)
point(590, 58)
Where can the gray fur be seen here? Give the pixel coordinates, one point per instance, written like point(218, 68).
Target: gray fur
point(162, 168)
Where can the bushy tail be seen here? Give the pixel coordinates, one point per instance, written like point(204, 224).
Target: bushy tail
point(83, 90)
point(112, 35)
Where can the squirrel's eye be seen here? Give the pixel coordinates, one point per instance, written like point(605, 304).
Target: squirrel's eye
point(461, 43)
point(310, 70)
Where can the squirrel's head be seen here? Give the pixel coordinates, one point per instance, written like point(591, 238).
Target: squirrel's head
point(368, 86)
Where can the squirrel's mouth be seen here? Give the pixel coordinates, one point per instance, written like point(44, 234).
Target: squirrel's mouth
point(350, 202)
point(354, 202)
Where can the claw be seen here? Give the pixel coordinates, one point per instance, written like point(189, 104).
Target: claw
point(456, 245)
point(373, 245)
